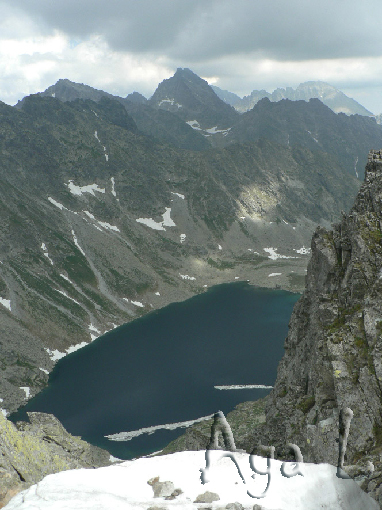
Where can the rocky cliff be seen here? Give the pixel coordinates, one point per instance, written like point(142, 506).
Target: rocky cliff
point(31, 451)
point(333, 351)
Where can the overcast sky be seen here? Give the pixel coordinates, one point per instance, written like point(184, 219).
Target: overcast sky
point(240, 45)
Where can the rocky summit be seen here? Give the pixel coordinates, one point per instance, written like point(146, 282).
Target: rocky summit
point(332, 355)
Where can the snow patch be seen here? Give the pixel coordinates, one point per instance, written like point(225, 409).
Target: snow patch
point(127, 436)
point(137, 303)
point(76, 243)
point(182, 238)
point(66, 278)
point(55, 355)
point(157, 294)
point(274, 256)
point(67, 296)
point(113, 186)
point(243, 387)
point(45, 371)
point(194, 124)
point(6, 303)
point(93, 328)
point(45, 250)
point(214, 130)
point(167, 221)
point(178, 195)
point(186, 277)
point(74, 348)
point(171, 102)
point(57, 204)
point(303, 251)
point(4, 412)
point(27, 391)
point(220, 247)
point(274, 274)
point(80, 190)
point(149, 222)
point(106, 488)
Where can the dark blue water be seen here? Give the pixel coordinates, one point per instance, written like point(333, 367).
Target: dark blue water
point(162, 368)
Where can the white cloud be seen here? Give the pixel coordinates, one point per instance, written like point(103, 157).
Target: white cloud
point(121, 47)
point(31, 64)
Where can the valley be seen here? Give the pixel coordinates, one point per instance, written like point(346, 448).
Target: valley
point(103, 223)
point(114, 207)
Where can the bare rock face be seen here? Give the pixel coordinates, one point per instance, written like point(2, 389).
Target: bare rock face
point(333, 353)
point(29, 452)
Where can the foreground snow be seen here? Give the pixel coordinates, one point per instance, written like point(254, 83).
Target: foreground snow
point(124, 486)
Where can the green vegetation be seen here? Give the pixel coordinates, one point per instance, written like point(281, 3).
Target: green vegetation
point(306, 404)
point(79, 270)
point(340, 320)
point(220, 264)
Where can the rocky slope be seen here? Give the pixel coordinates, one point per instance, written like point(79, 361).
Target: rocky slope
point(332, 353)
point(31, 451)
point(312, 125)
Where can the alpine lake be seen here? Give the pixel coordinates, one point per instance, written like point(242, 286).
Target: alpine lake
point(163, 368)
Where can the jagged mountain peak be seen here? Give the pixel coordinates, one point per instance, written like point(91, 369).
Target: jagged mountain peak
point(192, 99)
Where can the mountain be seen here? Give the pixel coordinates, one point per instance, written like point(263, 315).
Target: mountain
point(332, 355)
point(226, 96)
point(161, 125)
point(329, 95)
point(101, 224)
point(312, 125)
point(192, 99)
point(175, 481)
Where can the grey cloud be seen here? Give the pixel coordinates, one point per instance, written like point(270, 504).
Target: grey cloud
point(201, 30)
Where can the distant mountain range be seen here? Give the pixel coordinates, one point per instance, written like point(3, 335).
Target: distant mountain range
point(329, 95)
point(187, 113)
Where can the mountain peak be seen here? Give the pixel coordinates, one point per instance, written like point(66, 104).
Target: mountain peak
point(191, 98)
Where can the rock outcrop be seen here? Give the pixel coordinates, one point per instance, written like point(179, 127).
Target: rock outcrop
point(31, 451)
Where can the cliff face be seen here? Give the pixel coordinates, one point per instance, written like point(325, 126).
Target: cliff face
point(333, 351)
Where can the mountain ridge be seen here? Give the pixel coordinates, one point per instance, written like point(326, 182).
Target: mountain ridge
point(335, 99)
